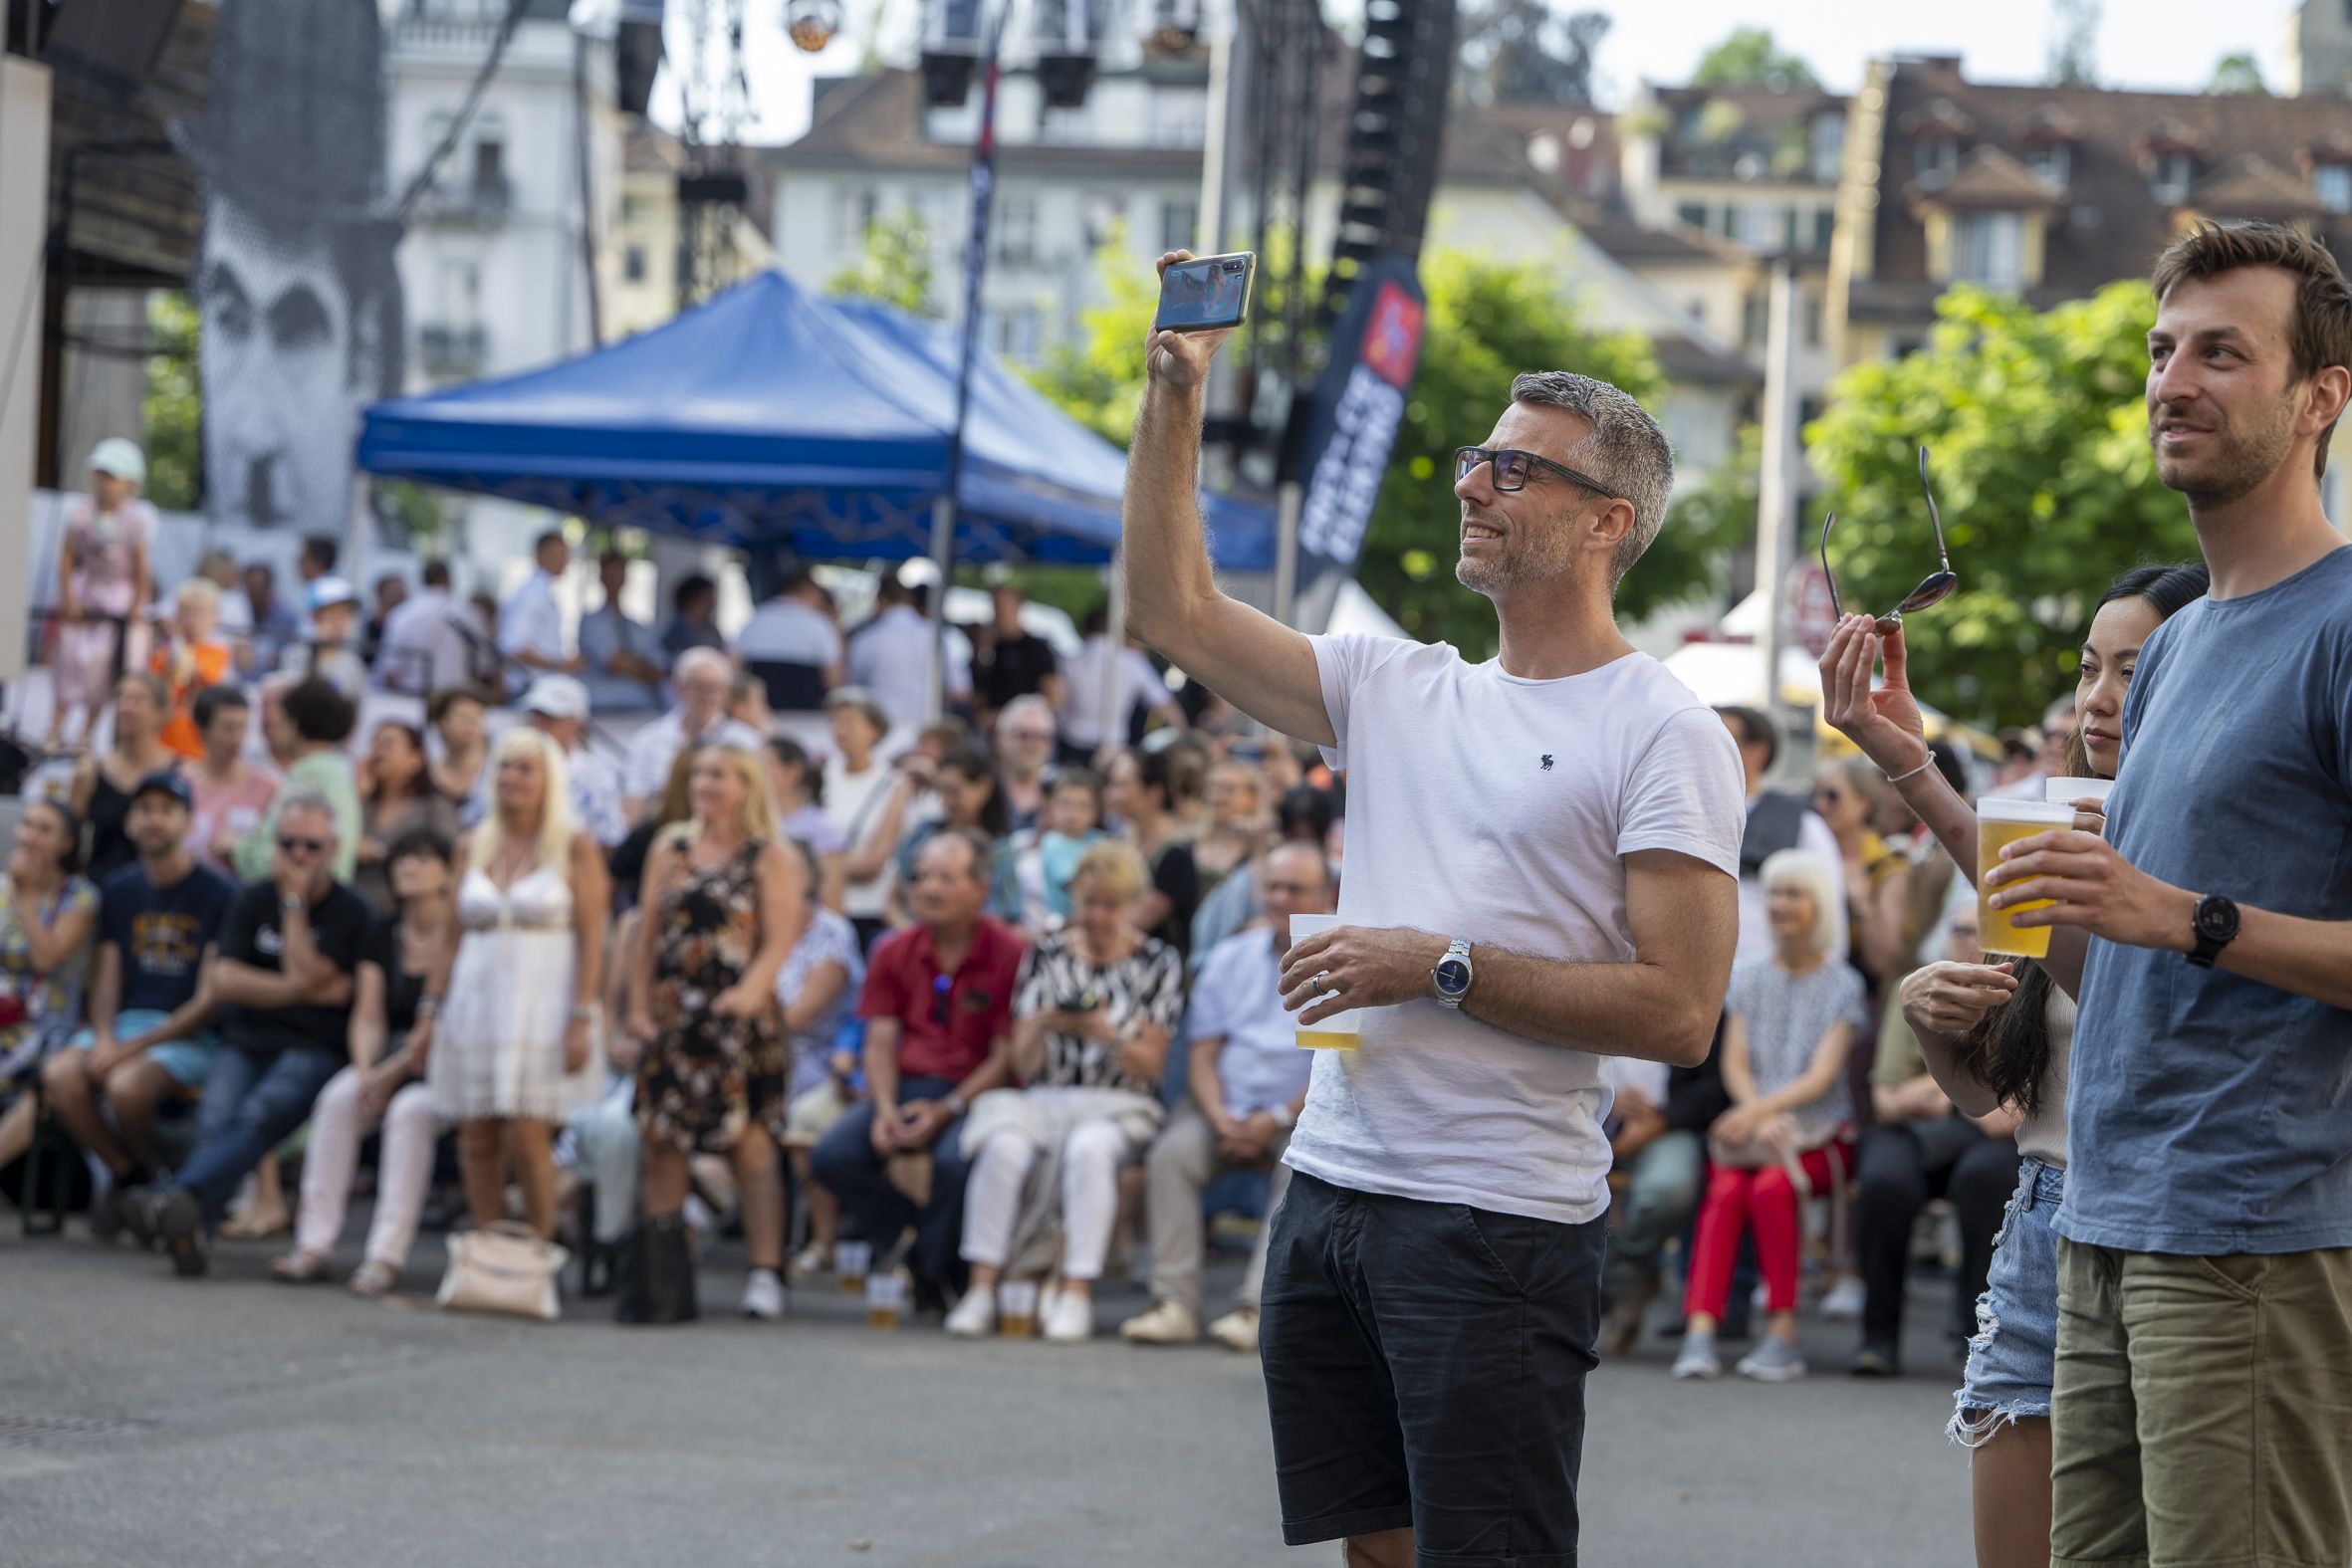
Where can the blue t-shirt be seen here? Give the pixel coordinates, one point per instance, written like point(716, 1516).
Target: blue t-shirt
point(162, 933)
point(2211, 1114)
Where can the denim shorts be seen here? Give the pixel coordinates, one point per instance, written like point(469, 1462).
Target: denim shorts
point(186, 1060)
point(2014, 1355)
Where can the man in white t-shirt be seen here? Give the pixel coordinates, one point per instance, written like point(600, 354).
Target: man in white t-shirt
point(791, 644)
point(531, 623)
point(1248, 1082)
point(1083, 676)
point(428, 641)
point(1542, 864)
point(890, 656)
point(701, 678)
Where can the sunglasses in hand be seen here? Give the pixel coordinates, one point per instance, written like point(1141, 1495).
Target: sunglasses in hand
point(1933, 589)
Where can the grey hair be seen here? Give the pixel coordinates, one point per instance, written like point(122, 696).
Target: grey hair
point(1624, 448)
point(309, 800)
point(710, 659)
point(1030, 702)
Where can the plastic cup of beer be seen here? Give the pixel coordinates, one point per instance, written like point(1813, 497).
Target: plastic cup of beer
point(2065, 792)
point(851, 1261)
point(885, 1297)
point(2000, 823)
point(1342, 1031)
point(1016, 1308)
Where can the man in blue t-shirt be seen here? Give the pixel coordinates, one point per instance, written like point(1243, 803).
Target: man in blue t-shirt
point(150, 1038)
point(2203, 1405)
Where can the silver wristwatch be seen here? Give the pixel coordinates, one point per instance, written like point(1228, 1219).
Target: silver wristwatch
point(1453, 974)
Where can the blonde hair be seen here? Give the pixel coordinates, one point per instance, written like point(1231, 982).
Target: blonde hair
point(197, 591)
point(1820, 878)
point(1114, 864)
point(555, 812)
point(759, 800)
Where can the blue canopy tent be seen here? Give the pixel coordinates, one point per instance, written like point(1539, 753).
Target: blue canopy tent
point(771, 419)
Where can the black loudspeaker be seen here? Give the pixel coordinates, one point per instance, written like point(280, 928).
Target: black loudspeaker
point(1389, 168)
point(951, 51)
point(637, 54)
point(119, 40)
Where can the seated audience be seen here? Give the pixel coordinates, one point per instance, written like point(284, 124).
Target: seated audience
point(460, 717)
point(313, 721)
point(333, 652)
point(191, 661)
point(817, 988)
point(1033, 881)
point(558, 706)
point(938, 1008)
point(399, 799)
point(965, 788)
point(1789, 1024)
point(1145, 792)
point(799, 783)
point(289, 952)
point(701, 679)
point(382, 1087)
point(430, 640)
point(1025, 754)
point(151, 1039)
point(1097, 1004)
point(694, 619)
point(232, 794)
point(622, 662)
point(103, 784)
point(1923, 1148)
point(792, 647)
point(1013, 663)
point(867, 800)
point(1247, 1083)
point(272, 623)
point(47, 912)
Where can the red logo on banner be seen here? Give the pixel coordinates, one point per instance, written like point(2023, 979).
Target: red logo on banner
point(1392, 338)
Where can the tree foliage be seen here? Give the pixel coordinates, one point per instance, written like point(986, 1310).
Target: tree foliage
point(2238, 76)
point(1749, 58)
point(2040, 463)
point(173, 407)
point(893, 265)
point(2074, 42)
point(1524, 52)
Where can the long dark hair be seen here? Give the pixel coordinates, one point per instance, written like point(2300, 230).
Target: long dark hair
point(2009, 1051)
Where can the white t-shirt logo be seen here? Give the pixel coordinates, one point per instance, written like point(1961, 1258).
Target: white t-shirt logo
point(1548, 762)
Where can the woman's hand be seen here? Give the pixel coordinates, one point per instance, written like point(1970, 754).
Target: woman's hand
point(1136, 1059)
point(2090, 815)
point(1735, 1125)
point(739, 1002)
point(380, 1083)
point(419, 1048)
point(576, 1046)
point(1886, 723)
point(1953, 998)
point(639, 1023)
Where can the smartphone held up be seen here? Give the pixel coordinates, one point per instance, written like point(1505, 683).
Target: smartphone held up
point(1206, 293)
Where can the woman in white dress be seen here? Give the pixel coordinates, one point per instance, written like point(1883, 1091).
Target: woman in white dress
point(507, 1027)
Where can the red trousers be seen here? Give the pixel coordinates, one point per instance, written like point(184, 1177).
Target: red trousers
point(1766, 1200)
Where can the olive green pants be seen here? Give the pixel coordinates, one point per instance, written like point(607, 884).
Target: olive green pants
point(2203, 1411)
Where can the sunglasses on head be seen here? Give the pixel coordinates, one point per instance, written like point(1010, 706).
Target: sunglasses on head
point(1513, 468)
point(1933, 589)
point(301, 846)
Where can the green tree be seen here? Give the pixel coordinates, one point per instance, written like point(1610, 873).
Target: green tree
point(2039, 457)
point(173, 407)
point(1750, 59)
point(893, 265)
point(2074, 42)
point(2238, 76)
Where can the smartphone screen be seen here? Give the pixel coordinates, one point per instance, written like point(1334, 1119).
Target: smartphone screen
point(1206, 293)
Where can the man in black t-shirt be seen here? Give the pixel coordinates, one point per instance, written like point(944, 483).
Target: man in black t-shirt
point(288, 954)
point(1014, 663)
point(150, 1037)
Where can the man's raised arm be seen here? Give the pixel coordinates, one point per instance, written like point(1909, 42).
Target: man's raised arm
point(1244, 655)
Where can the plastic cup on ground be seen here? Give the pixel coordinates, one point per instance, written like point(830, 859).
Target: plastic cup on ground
point(1016, 1308)
point(851, 1261)
point(886, 1298)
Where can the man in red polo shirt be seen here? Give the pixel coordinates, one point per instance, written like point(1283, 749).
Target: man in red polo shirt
point(938, 1011)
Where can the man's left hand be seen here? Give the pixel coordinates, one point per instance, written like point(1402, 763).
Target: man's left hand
point(2093, 887)
point(1351, 967)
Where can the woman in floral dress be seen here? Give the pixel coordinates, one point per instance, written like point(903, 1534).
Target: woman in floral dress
point(723, 903)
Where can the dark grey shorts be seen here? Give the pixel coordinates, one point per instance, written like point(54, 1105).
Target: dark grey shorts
point(1425, 1367)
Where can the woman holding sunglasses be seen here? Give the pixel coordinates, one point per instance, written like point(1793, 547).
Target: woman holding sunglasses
point(1995, 1034)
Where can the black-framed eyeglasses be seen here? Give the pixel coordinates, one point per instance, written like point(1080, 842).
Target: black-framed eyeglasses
point(301, 846)
point(1933, 589)
point(1513, 468)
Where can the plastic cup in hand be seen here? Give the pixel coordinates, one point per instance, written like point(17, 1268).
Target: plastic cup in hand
point(851, 1261)
point(1016, 1308)
point(886, 1298)
point(2001, 823)
point(2065, 792)
point(1342, 1031)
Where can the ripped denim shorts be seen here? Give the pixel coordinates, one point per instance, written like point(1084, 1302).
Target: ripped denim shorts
point(2014, 1355)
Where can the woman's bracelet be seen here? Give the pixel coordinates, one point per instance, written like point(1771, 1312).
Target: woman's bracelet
point(428, 1006)
point(1896, 778)
point(585, 1012)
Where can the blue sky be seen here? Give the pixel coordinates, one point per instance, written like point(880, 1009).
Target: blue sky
point(2142, 43)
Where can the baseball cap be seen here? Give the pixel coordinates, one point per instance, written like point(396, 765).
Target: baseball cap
point(172, 783)
point(120, 458)
point(328, 592)
point(557, 696)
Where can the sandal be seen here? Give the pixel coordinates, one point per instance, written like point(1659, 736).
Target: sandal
point(245, 1227)
point(373, 1279)
point(299, 1268)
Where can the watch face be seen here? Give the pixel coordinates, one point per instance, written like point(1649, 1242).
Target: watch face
point(2216, 919)
point(1453, 976)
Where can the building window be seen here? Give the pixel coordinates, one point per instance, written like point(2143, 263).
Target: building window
point(1904, 347)
point(1065, 127)
point(853, 214)
point(1934, 158)
point(1756, 320)
point(2334, 181)
point(1014, 332)
point(1826, 146)
point(1017, 231)
point(1989, 247)
point(1180, 222)
point(632, 264)
point(1759, 228)
point(489, 155)
point(1179, 117)
point(1824, 228)
point(1812, 323)
point(2170, 174)
point(1693, 213)
point(2054, 162)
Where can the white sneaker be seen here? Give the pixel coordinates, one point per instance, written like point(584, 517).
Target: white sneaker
point(1167, 1323)
point(975, 1315)
point(1236, 1330)
point(1070, 1320)
point(762, 1295)
point(1697, 1360)
point(1844, 1299)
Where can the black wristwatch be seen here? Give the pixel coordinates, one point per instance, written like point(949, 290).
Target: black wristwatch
point(2216, 925)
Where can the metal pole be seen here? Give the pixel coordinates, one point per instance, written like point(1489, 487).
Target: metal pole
point(943, 511)
point(1776, 476)
point(1289, 501)
point(1113, 720)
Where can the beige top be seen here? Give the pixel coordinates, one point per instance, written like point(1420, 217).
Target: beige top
point(2043, 1134)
